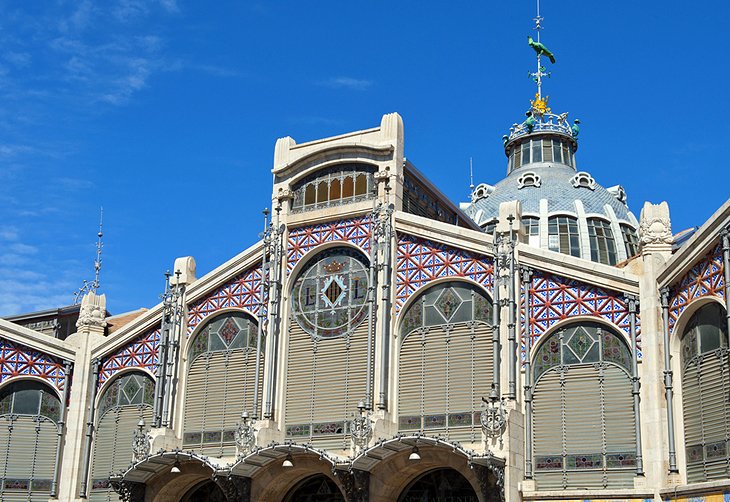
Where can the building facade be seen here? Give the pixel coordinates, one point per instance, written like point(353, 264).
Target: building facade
point(538, 342)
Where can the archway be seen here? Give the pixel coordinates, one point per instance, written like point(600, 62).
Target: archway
point(205, 492)
point(439, 485)
point(318, 488)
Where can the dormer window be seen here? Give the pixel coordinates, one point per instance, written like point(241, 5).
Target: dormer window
point(529, 179)
point(583, 180)
point(340, 184)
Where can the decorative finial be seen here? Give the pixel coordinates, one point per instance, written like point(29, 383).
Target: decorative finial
point(540, 50)
point(471, 176)
point(93, 286)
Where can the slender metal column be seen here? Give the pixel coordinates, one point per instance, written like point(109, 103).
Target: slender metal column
point(387, 239)
point(89, 429)
point(173, 351)
point(371, 308)
point(162, 363)
point(276, 322)
point(633, 304)
point(526, 283)
point(726, 265)
point(68, 367)
point(262, 315)
point(668, 385)
point(511, 324)
point(496, 314)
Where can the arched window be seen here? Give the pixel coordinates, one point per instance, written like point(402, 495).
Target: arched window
point(445, 361)
point(29, 413)
point(563, 235)
point(220, 382)
point(532, 229)
point(603, 245)
point(583, 432)
point(125, 401)
point(631, 240)
point(706, 394)
point(327, 350)
point(336, 185)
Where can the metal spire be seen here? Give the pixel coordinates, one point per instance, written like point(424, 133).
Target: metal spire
point(541, 70)
point(471, 176)
point(93, 285)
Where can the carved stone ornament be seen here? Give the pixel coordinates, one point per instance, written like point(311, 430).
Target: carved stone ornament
point(93, 311)
point(245, 438)
point(284, 194)
point(655, 226)
point(129, 491)
point(140, 443)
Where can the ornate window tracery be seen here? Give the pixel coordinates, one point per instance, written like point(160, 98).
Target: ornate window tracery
point(329, 298)
point(340, 184)
point(583, 426)
point(220, 385)
point(29, 412)
point(445, 361)
point(706, 394)
point(125, 401)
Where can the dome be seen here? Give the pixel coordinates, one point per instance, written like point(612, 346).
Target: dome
point(563, 209)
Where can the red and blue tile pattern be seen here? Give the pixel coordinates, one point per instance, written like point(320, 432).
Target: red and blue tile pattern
point(139, 353)
point(420, 261)
point(706, 278)
point(356, 231)
point(243, 292)
point(20, 360)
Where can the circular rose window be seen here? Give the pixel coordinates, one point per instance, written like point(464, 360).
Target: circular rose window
point(329, 298)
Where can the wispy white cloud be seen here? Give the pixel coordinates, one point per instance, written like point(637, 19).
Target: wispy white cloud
point(355, 84)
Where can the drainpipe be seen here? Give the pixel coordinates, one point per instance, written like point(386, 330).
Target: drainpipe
point(68, 367)
point(89, 429)
point(668, 377)
point(526, 283)
point(635, 383)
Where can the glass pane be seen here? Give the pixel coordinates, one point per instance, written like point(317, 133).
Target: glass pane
point(348, 187)
point(309, 195)
point(566, 156)
point(557, 152)
point(536, 150)
point(27, 402)
point(547, 150)
point(335, 189)
point(526, 152)
point(361, 185)
point(518, 156)
point(322, 191)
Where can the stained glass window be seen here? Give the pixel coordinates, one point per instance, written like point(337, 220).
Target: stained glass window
point(329, 297)
point(337, 185)
point(447, 303)
point(128, 390)
point(234, 330)
point(30, 398)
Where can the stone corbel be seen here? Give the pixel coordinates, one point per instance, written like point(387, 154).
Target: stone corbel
point(284, 194)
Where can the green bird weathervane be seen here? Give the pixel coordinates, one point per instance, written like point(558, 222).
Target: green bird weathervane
point(540, 104)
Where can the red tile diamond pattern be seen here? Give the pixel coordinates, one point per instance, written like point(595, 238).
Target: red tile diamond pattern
point(18, 360)
point(243, 291)
point(706, 278)
point(139, 353)
point(302, 239)
point(421, 261)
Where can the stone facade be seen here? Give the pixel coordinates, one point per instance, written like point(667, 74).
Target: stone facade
point(241, 384)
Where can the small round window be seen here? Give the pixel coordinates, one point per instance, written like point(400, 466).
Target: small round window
point(329, 297)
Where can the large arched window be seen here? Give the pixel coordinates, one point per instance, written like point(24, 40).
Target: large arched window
point(125, 401)
point(220, 383)
point(328, 339)
point(445, 361)
point(29, 413)
point(563, 235)
point(706, 394)
point(583, 432)
point(336, 185)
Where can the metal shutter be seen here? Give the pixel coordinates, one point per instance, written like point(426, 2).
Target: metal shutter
point(112, 452)
point(25, 442)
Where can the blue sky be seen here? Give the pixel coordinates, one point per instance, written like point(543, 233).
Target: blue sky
point(166, 112)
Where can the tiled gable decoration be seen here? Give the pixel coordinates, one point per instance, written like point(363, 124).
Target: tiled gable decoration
point(421, 261)
point(20, 360)
point(706, 278)
point(138, 353)
point(356, 231)
point(554, 298)
point(243, 291)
